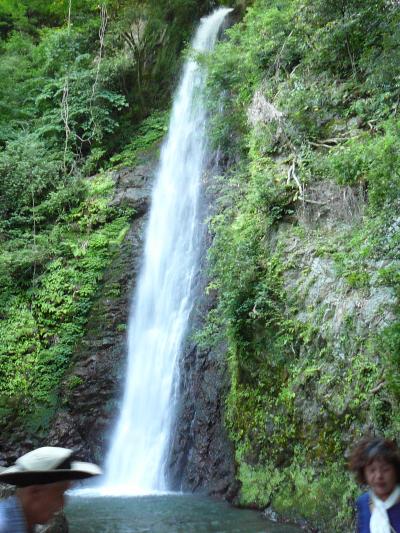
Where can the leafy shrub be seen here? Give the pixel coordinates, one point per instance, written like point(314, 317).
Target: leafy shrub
point(323, 499)
point(149, 132)
point(28, 172)
point(372, 161)
point(41, 326)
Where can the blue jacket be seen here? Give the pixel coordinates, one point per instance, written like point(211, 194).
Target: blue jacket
point(11, 516)
point(364, 514)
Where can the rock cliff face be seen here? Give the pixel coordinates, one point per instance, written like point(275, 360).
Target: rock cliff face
point(91, 390)
point(318, 377)
point(201, 457)
point(347, 305)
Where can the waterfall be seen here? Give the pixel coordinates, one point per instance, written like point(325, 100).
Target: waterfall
point(163, 299)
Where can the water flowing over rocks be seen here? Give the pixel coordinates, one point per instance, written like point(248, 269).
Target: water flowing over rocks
point(163, 298)
point(90, 393)
point(201, 459)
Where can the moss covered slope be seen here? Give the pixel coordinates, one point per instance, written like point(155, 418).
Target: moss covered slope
point(305, 254)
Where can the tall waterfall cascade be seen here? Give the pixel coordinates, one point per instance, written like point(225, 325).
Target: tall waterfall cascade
point(163, 299)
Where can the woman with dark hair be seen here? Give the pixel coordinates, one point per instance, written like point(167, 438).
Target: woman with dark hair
point(376, 463)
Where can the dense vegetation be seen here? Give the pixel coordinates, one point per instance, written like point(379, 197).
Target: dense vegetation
point(310, 92)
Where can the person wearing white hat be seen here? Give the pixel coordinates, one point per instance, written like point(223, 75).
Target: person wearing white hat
point(41, 476)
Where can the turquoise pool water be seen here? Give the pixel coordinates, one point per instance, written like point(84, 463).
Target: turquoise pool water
point(164, 514)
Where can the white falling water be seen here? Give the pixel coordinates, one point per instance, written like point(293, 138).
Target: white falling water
point(163, 299)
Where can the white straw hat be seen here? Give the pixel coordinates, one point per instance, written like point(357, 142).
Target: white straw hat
point(47, 465)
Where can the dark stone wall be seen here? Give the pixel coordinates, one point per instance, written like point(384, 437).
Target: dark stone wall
point(201, 457)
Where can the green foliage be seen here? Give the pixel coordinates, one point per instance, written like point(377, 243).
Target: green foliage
point(256, 48)
point(74, 381)
point(71, 97)
point(326, 500)
point(80, 96)
point(343, 31)
point(258, 484)
point(261, 337)
point(30, 15)
point(309, 98)
point(77, 99)
point(147, 37)
point(371, 161)
point(28, 172)
point(41, 326)
point(150, 132)
point(315, 62)
point(387, 345)
point(293, 398)
point(17, 85)
point(93, 108)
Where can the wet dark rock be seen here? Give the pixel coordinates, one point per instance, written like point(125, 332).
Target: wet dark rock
point(201, 456)
point(270, 514)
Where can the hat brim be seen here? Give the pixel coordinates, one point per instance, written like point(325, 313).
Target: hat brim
point(24, 478)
